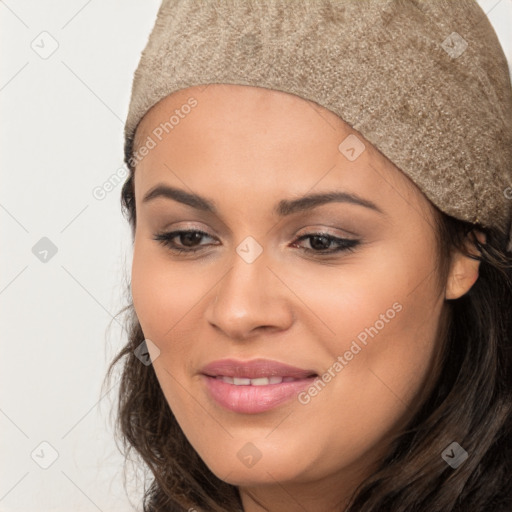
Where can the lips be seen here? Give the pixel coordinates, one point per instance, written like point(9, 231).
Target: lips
point(255, 369)
point(259, 381)
point(255, 386)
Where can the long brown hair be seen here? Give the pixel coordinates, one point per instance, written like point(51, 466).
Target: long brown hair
point(471, 403)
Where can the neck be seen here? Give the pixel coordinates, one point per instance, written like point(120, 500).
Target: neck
point(331, 494)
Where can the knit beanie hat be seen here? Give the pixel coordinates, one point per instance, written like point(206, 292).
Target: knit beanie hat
point(425, 81)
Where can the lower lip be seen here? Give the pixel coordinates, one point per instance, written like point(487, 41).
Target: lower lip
point(253, 399)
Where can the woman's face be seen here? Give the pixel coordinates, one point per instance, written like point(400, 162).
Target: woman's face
point(316, 253)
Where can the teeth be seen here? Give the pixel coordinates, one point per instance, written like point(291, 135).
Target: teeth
point(260, 381)
point(241, 382)
point(263, 381)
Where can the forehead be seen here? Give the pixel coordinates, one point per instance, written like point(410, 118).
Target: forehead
point(223, 105)
point(241, 138)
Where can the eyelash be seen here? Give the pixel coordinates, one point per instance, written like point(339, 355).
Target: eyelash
point(344, 244)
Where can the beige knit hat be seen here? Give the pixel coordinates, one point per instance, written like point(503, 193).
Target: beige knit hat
point(425, 81)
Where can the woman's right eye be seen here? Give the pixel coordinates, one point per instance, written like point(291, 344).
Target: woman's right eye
point(187, 239)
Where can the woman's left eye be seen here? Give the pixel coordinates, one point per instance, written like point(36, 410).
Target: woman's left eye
point(321, 243)
point(324, 242)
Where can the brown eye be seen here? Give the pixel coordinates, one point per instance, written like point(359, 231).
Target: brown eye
point(319, 242)
point(324, 243)
point(188, 240)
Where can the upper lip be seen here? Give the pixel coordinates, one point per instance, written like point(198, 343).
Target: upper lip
point(254, 369)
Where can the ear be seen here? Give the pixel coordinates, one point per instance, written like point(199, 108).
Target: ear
point(463, 270)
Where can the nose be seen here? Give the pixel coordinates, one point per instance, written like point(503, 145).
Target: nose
point(250, 298)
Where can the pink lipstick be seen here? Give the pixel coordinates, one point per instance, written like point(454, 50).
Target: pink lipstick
point(251, 387)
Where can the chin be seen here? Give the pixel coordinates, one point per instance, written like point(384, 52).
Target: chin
point(270, 468)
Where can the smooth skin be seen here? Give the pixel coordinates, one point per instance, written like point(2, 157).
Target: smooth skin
point(245, 149)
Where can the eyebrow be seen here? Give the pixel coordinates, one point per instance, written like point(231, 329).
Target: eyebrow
point(194, 200)
point(284, 208)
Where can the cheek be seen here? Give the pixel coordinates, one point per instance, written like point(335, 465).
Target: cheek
point(164, 300)
point(387, 291)
point(162, 296)
point(385, 321)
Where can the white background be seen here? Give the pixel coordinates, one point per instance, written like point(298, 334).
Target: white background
point(62, 136)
